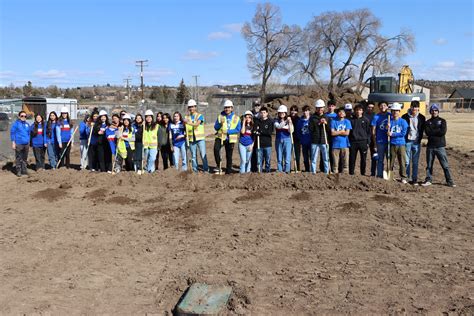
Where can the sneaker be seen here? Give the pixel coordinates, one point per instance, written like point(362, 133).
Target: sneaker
point(404, 181)
point(451, 185)
point(426, 183)
point(217, 171)
point(416, 184)
point(18, 174)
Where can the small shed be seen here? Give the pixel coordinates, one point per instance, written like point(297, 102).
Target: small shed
point(463, 98)
point(44, 106)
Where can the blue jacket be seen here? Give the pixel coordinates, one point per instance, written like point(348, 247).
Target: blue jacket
point(38, 140)
point(52, 138)
point(399, 130)
point(302, 130)
point(20, 132)
point(94, 139)
point(83, 131)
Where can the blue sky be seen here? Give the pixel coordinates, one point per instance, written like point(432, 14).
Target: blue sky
point(77, 43)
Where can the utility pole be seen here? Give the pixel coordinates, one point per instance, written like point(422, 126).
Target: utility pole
point(127, 80)
point(141, 64)
point(196, 97)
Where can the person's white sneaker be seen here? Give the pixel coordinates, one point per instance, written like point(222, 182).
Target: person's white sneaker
point(404, 181)
point(426, 183)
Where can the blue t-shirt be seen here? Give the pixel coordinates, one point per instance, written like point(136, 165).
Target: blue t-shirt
point(399, 130)
point(246, 138)
point(340, 125)
point(332, 116)
point(302, 130)
point(380, 122)
point(177, 133)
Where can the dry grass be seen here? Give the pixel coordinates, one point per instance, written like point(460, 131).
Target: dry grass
point(460, 133)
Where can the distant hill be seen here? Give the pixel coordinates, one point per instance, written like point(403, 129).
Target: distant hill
point(445, 87)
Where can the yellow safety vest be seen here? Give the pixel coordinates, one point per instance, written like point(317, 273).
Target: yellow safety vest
point(197, 131)
point(150, 138)
point(222, 133)
point(122, 149)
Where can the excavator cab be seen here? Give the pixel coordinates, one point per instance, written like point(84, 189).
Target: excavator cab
point(390, 90)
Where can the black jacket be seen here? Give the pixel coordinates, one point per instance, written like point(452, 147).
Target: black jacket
point(138, 133)
point(435, 129)
point(264, 128)
point(361, 130)
point(421, 126)
point(316, 129)
point(295, 120)
point(163, 136)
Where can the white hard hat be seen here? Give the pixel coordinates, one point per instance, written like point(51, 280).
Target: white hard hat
point(64, 110)
point(126, 116)
point(282, 109)
point(228, 103)
point(347, 106)
point(415, 99)
point(396, 106)
point(319, 103)
point(192, 103)
point(102, 112)
point(248, 113)
point(148, 113)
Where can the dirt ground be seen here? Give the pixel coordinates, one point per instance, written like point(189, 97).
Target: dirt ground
point(76, 242)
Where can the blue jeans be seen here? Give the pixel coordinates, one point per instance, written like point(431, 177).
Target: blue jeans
point(193, 146)
point(381, 151)
point(283, 149)
point(180, 151)
point(52, 155)
point(315, 148)
point(245, 157)
point(412, 157)
point(440, 153)
point(150, 156)
point(264, 155)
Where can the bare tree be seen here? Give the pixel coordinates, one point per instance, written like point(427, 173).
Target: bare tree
point(270, 44)
point(349, 44)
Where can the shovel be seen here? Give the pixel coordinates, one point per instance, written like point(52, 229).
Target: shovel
point(293, 150)
point(388, 172)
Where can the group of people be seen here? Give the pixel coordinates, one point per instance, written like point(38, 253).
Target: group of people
point(333, 136)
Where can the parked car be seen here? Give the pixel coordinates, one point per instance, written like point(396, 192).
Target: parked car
point(4, 121)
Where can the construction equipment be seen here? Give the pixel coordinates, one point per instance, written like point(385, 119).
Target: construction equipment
point(390, 90)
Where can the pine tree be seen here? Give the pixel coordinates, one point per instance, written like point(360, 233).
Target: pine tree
point(183, 93)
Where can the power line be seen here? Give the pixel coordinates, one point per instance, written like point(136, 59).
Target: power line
point(141, 64)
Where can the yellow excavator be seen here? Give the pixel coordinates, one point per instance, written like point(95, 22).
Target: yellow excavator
point(390, 90)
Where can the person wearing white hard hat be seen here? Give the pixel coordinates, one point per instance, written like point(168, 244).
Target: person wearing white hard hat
point(397, 130)
point(319, 128)
point(379, 136)
point(150, 141)
point(246, 142)
point(340, 129)
point(196, 136)
point(283, 127)
point(63, 135)
point(104, 153)
point(125, 144)
point(227, 127)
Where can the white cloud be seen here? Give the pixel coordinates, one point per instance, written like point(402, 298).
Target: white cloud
point(193, 54)
point(234, 27)
point(218, 36)
point(7, 74)
point(446, 64)
point(158, 74)
point(50, 74)
point(440, 41)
